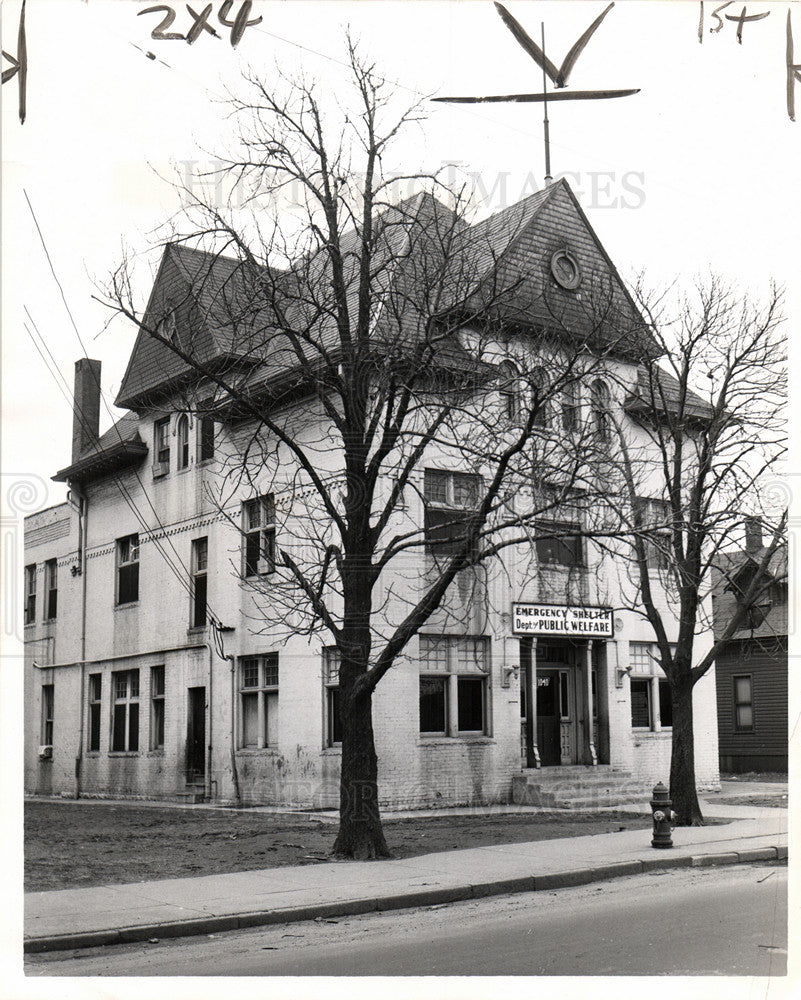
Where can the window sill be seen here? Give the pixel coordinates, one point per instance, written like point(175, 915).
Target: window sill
point(254, 751)
point(197, 630)
point(425, 740)
point(334, 751)
point(126, 606)
point(156, 752)
point(124, 753)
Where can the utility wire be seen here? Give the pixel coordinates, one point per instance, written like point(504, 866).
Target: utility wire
point(99, 387)
point(124, 492)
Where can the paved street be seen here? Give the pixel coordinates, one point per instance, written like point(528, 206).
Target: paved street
point(726, 921)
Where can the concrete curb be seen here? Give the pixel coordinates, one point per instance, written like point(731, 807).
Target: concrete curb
point(397, 901)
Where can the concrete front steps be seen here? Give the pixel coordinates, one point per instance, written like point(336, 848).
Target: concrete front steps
point(579, 787)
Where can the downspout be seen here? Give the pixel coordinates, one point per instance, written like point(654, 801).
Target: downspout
point(207, 790)
point(83, 516)
point(234, 772)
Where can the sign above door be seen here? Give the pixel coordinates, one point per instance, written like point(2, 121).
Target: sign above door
point(564, 620)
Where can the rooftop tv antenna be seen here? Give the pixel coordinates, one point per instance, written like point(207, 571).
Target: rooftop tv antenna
point(557, 76)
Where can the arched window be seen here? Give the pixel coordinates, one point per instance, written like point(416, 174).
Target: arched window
point(599, 402)
point(510, 390)
point(539, 389)
point(183, 441)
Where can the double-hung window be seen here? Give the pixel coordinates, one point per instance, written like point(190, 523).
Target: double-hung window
point(450, 500)
point(125, 718)
point(570, 407)
point(157, 707)
point(205, 441)
point(48, 701)
point(161, 447)
point(258, 678)
point(601, 411)
point(30, 594)
point(95, 690)
point(539, 398)
point(743, 704)
point(559, 541)
point(561, 544)
point(655, 518)
point(333, 724)
point(182, 435)
point(51, 589)
point(651, 704)
point(454, 678)
point(509, 388)
point(128, 569)
point(200, 564)
point(258, 529)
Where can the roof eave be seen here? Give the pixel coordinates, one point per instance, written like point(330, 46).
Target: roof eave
point(118, 456)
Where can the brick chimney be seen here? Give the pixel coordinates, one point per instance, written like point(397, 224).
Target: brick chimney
point(86, 409)
point(753, 535)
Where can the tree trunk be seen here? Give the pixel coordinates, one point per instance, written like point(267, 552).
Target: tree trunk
point(360, 833)
point(682, 760)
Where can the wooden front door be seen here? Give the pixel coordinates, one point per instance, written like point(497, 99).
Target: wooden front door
point(196, 737)
point(548, 730)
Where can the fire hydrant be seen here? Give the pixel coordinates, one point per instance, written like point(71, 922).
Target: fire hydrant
point(662, 816)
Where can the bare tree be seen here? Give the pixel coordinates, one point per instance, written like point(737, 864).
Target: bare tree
point(369, 355)
point(700, 463)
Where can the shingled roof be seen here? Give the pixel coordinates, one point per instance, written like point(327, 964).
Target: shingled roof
point(659, 392)
point(231, 314)
point(118, 448)
point(732, 574)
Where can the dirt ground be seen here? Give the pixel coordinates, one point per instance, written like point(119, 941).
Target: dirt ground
point(69, 845)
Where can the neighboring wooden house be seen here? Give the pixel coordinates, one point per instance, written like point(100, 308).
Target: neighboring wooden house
point(751, 673)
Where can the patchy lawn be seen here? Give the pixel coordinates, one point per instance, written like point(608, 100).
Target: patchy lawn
point(772, 777)
point(69, 844)
point(771, 801)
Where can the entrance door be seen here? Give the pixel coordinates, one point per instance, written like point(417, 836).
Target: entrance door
point(548, 715)
point(196, 737)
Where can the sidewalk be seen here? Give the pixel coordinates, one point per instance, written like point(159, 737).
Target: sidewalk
point(113, 914)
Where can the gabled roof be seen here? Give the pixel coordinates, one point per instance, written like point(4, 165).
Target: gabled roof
point(732, 575)
point(501, 266)
point(118, 448)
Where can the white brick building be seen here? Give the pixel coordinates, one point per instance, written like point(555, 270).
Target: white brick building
point(132, 690)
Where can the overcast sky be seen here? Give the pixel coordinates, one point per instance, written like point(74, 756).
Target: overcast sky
point(697, 172)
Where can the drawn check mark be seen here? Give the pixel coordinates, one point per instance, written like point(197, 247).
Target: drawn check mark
point(557, 77)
